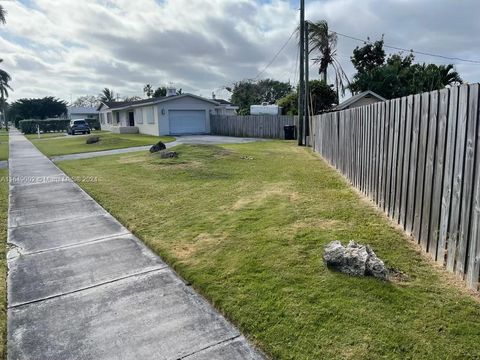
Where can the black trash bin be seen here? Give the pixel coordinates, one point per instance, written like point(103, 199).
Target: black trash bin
point(289, 132)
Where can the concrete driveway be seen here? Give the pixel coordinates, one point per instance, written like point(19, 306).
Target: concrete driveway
point(214, 139)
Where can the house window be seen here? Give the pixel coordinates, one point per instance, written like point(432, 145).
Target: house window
point(138, 116)
point(148, 115)
point(117, 118)
point(109, 118)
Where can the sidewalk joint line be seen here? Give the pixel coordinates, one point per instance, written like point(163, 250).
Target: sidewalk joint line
point(209, 346)
point(99, 239)
point(162, 267)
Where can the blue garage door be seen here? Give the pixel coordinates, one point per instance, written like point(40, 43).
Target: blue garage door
point(187, 121)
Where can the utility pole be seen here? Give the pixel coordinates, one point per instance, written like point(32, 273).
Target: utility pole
point(301, 87)
point(307, 89)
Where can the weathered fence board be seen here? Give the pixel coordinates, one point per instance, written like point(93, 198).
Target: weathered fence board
point(422, 147)
point(438, 172)
point(467, 182)
point(452, 239)
point(432, 122)
point(406, 163)
point(418, 159)
point(412, 181)
point(401, 146)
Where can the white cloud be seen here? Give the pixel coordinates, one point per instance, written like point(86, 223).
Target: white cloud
point(71, 48)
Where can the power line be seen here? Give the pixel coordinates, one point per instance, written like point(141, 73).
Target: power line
point(276, 55)
point(410, 50)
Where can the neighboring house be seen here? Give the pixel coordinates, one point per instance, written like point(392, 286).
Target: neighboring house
point(364, 98)
point(79, 112)
point(169, 115)
point(225, 107)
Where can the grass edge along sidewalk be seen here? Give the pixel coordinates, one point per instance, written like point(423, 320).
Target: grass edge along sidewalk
point(246, 226)
point(3, 144)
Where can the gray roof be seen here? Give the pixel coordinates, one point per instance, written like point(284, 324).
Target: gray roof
point(223, 102)
point(127, 104)
point(81, 110)
point(357, 97)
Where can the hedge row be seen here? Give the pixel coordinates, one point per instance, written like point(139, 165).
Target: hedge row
point(29, 126)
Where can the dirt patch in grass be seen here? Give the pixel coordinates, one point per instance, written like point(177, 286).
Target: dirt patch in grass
point(259, 197)
point(202, 242)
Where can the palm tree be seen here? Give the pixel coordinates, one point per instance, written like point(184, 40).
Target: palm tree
point(148, 90)
point(324, 43)
point(3, 14)
point(4, 87)
point(448, 75)
point(107, 95)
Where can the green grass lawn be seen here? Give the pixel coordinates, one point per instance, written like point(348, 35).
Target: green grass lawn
point(246, 226)
point(52, 146)
point(3, 261)
point(3, 145)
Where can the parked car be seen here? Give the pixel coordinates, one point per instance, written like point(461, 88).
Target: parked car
point(78, 126)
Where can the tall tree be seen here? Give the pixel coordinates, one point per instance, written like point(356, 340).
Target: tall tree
point(47, 107)
point(107, 95)
point(369, 56)
point(4, 76)
point(87, 101)
point(323, 97)
point(324, 43)
point(160, 92)
point(131, 98)
point(397, 75)
point(3, 15)
point(247, 92)
point(148, 90)
point(4, 88)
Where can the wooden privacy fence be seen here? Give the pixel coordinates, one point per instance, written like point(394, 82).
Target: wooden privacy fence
point(261, 126)
point(418, 159)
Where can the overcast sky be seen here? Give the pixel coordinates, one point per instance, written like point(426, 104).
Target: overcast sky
point(69, 48)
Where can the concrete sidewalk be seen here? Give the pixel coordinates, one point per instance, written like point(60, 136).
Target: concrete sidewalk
point(81, 286)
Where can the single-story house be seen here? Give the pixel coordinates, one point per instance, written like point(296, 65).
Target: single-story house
point(364, 98)
point(81, 112)
point(168, 115)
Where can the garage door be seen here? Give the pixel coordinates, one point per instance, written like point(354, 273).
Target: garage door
point(187, 121)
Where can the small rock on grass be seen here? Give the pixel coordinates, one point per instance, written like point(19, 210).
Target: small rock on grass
point(354, 259)
point(93, 139)
point(158, 147)
point(168, 154)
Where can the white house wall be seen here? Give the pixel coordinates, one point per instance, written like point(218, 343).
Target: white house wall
point(144, 127)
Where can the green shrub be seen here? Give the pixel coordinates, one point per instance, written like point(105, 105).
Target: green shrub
point(29, 126)
point(93, 123)
point(48, 125)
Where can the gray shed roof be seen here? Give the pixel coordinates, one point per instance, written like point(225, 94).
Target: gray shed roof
point(357, 97)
